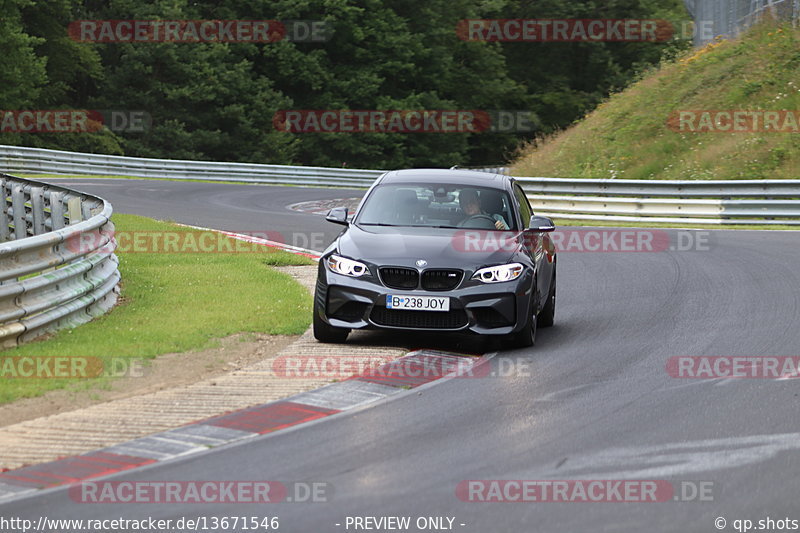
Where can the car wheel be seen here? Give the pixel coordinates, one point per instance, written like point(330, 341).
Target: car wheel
point(326, 333)
point(527, 337)
point(548, 315)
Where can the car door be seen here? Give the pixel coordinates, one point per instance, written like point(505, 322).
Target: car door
point(537, 244)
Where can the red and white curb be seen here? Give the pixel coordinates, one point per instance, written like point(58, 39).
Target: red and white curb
point(416, 369)
point(311, 254)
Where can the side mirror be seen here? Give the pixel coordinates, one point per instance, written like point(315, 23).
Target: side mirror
point(337, 215)
point(542, 224)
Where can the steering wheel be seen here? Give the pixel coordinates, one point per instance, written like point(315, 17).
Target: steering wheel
point(480, 221)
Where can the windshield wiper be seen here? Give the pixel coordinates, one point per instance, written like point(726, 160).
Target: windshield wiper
point(405, 225)
point(435, 227)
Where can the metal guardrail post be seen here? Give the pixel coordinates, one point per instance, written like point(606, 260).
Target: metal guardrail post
point(18, 207)
point(75, 211)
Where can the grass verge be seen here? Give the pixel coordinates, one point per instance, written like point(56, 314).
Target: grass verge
point(637, 134)
point(175, 302)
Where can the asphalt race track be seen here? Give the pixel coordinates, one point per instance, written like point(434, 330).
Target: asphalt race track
point(592, 399)
point(241, 208)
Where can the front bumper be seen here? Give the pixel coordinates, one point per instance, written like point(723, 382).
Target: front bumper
point(485, 309)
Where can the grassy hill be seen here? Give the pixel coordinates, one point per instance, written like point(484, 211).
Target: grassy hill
point(637, 134)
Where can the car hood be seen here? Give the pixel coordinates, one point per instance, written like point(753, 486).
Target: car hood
point(441, 248)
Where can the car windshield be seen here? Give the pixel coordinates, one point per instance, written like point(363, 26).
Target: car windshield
point(437, 206)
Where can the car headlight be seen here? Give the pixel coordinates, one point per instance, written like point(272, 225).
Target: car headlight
point(346, 267)
point(499, 274)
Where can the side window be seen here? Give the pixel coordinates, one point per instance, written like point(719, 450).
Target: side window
point(525, 211)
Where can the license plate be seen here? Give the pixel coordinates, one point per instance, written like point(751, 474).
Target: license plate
point(417, 303)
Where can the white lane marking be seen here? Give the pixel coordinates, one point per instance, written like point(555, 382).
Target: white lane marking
point(551, 396)
point(677, 458)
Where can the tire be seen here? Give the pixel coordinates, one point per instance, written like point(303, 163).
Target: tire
point(547, 315)
point(326, 333)
point(527, 337)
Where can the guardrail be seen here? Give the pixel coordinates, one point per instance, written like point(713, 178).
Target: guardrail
point(747, 202)
point(57, 262)
point(37, 160)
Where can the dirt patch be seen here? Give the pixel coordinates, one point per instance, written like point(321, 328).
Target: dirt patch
point(164, 372)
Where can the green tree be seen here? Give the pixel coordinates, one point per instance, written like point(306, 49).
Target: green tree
point(43, 69)
point(566, 80)
point(216, 101)
point(22, 72)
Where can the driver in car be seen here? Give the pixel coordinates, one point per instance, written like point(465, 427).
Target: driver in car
point(471, 206)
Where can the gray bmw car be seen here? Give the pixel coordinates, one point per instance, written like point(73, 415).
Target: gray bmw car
point(438, 250)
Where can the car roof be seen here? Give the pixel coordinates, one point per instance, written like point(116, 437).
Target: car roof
point(450, 176)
